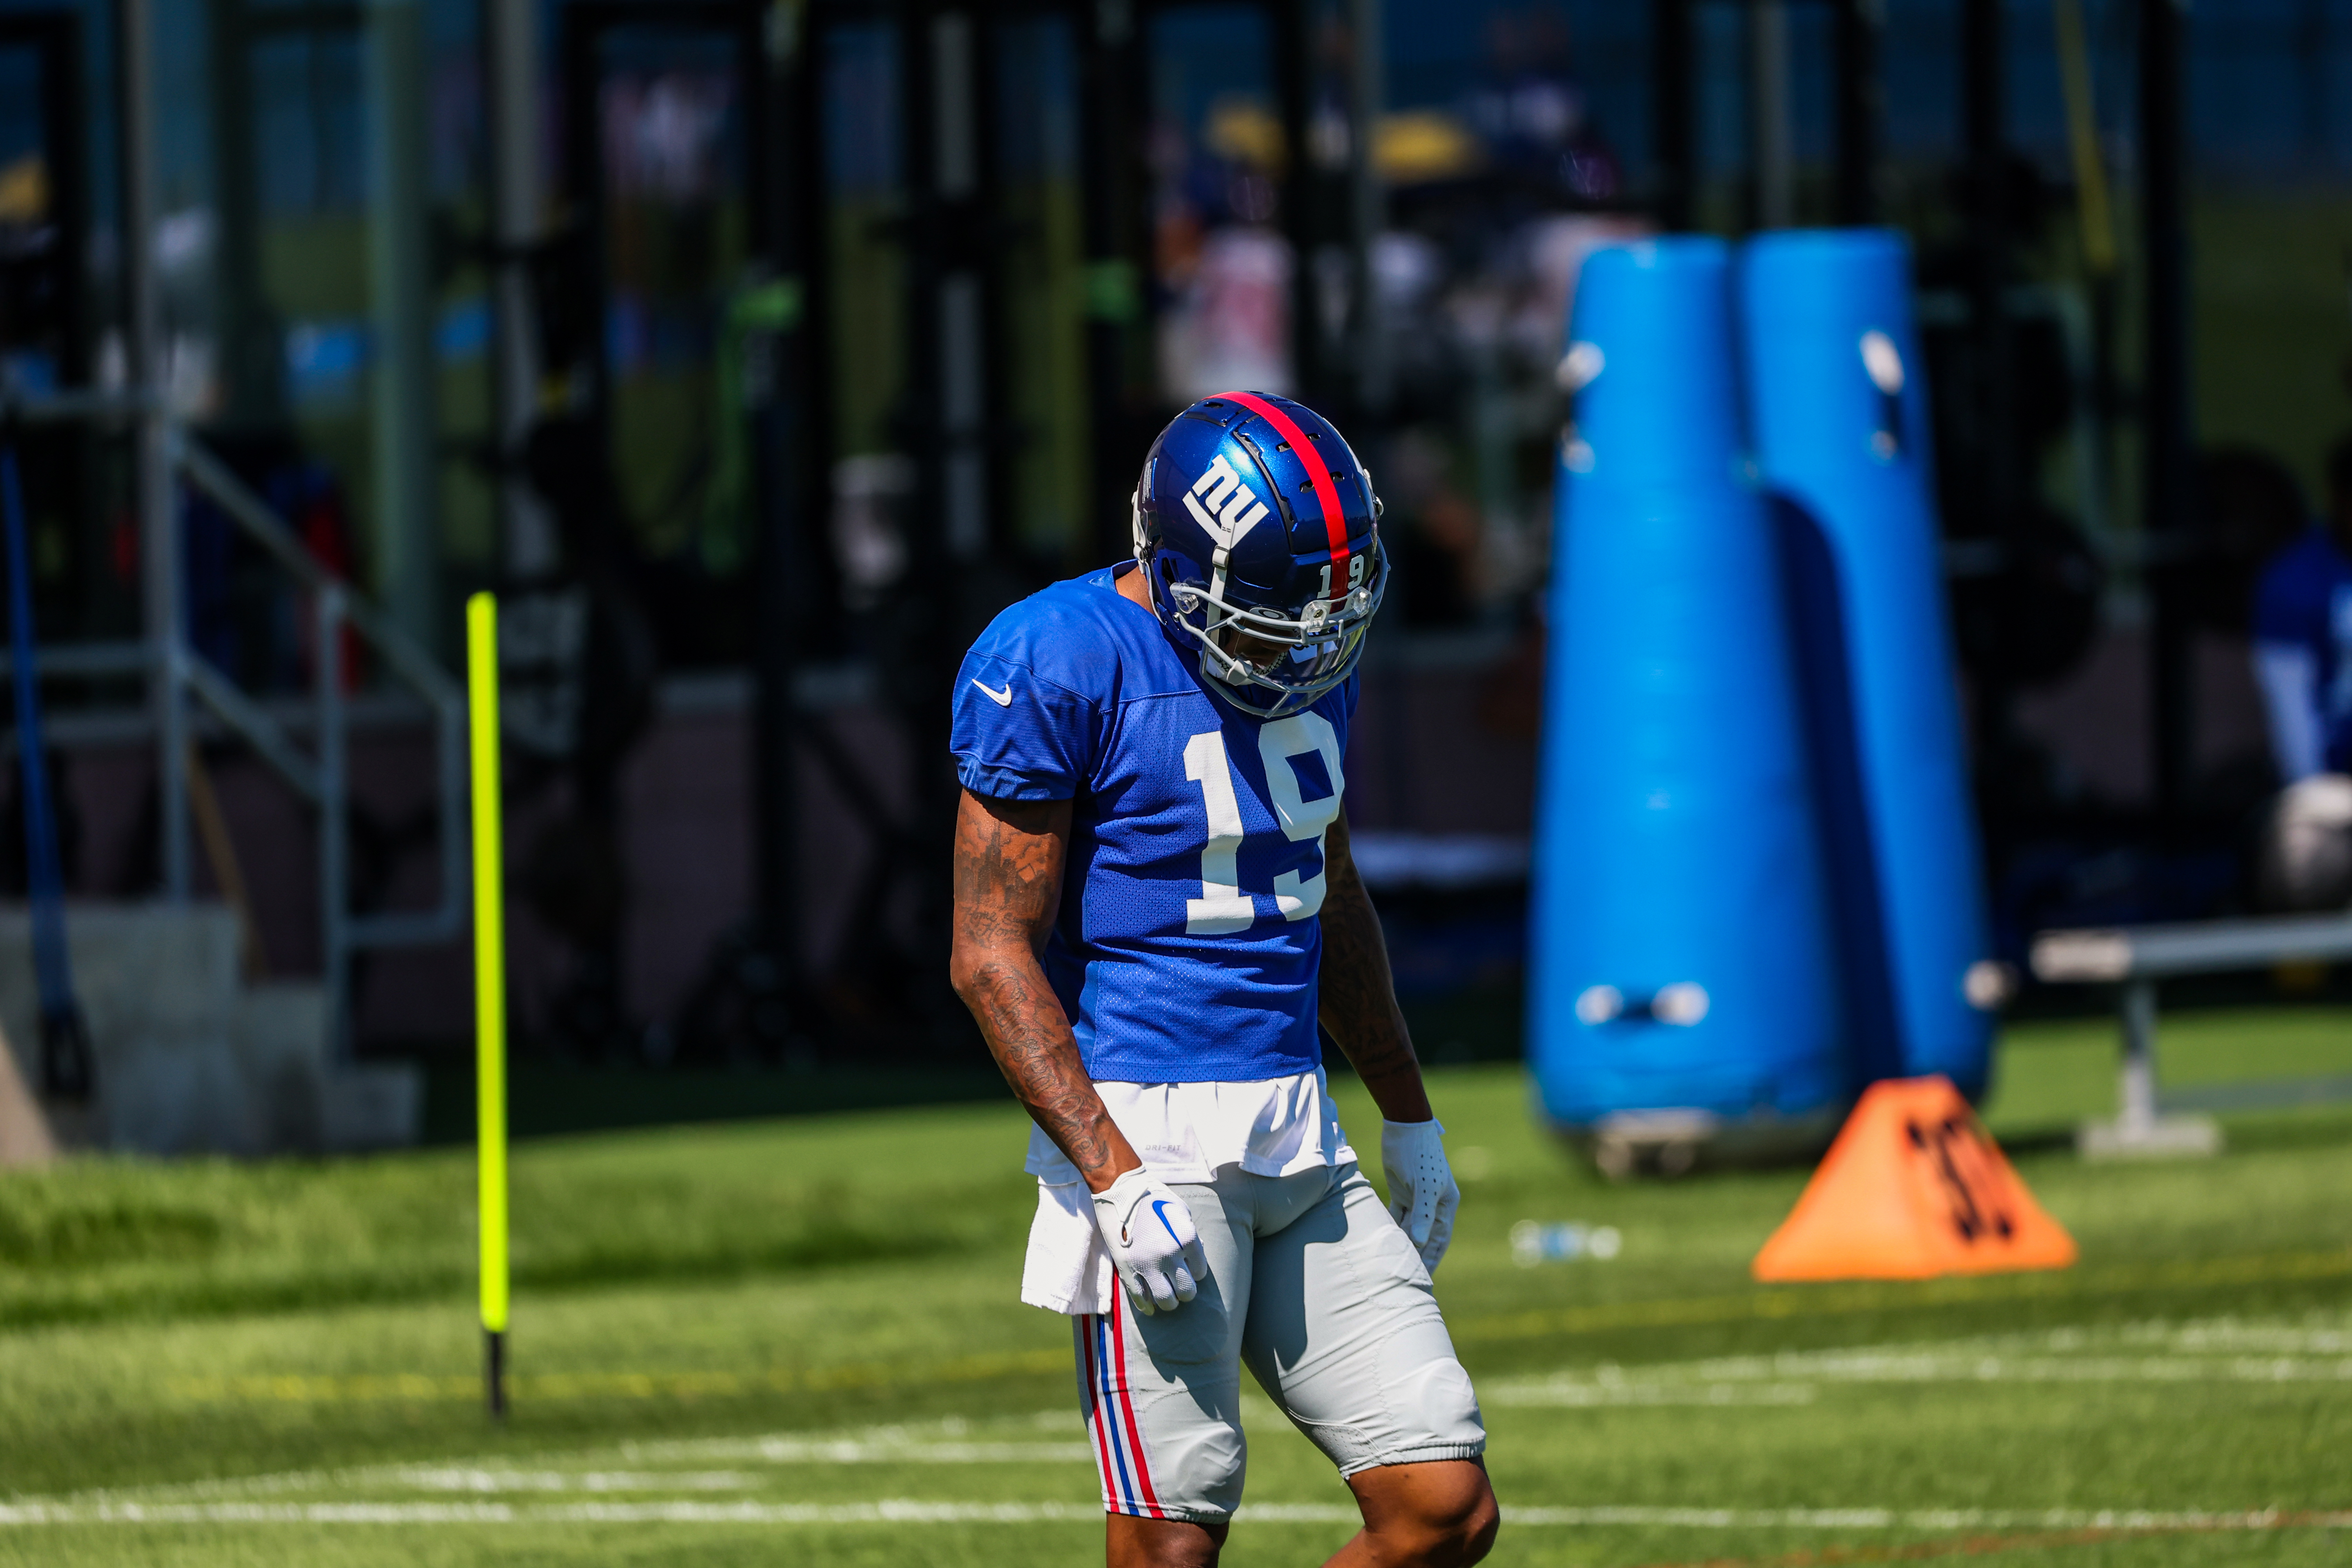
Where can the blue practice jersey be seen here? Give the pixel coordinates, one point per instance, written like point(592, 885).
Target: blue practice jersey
point(2305, 601)
point(1187, 944)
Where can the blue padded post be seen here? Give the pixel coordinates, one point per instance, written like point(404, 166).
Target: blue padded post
point(1838, 409)
point(1680, 941)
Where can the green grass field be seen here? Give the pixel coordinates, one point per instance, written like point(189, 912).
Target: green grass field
point(797, 1341)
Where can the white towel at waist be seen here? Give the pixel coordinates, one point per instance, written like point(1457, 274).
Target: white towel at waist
point(1184, 1132)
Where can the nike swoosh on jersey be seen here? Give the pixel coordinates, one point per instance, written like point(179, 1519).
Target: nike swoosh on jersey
point(1001, 698)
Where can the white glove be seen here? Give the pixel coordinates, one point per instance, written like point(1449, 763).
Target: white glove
point(1423, 1195)
point(1152, 1242)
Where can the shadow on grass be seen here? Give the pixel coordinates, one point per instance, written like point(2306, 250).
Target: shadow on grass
point(548, 1099)
point(820, 1248)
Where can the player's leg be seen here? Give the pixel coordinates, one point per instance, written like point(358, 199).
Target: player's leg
point(1438, 1513)
point(1132, 1543)
point(1344, 1335)
point(1162, 1395)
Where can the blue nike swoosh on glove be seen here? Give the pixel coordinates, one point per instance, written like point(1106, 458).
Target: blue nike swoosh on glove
point(1159, 1207)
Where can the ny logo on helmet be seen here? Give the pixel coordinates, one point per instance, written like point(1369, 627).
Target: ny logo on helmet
point(1231, 511)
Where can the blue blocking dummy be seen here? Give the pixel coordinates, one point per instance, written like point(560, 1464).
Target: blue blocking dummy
point(1838, 413)
point(1680, 940)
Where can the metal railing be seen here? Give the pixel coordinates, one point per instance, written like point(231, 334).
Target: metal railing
point(2134, 958)
point(320, 774)
point(324, 777)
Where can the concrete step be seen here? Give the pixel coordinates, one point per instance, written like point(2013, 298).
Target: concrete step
point(190, 1060)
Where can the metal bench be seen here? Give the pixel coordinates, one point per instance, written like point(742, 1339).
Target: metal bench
point(2136, 958)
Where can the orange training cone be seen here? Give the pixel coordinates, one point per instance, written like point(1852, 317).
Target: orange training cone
point(1912, 1187)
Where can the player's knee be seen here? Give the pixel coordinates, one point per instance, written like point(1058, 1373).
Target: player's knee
point(1477, 1533)
point(1135, 1543)
point(1464, 1534)
point(1448, 1521)
point(1460, 1530)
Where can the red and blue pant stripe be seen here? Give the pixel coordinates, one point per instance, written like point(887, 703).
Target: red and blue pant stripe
point(1109, 1405)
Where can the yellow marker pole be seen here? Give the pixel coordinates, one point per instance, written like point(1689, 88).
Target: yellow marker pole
point(489, 986)
point(2083, 140)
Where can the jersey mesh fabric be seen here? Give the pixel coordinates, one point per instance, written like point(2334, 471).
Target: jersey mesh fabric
point(1166, 974)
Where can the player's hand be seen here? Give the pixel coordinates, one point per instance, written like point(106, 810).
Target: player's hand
point(1422, 1194)
point(1152, 1242)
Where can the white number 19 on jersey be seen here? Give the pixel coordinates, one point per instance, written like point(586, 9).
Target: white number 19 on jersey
point(1222, 906)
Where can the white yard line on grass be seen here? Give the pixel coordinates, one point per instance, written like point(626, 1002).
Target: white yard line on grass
point(1922, 1519)
point(447, 1479)
point(658, 1512)
point(1797, 1384)
point(2219, 1350)
point(870, 1445)
point(907, 1511)
point(855, 1451)
point(594, 1486)
point(1577, 1392)
point(772, 1450)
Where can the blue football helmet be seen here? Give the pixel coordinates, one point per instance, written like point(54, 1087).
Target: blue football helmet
point(1259, 536)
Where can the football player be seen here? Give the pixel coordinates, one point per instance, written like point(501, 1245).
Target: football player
point(1154, 910)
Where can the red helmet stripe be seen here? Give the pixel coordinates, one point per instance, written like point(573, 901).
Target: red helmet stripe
point(1335, 526)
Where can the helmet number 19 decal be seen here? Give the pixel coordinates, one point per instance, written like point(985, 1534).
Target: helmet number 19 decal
point(1355, 576)
point(1222, 907)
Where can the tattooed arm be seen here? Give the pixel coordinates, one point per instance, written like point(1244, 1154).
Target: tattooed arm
point(1008, 888)
point(1357, 997)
